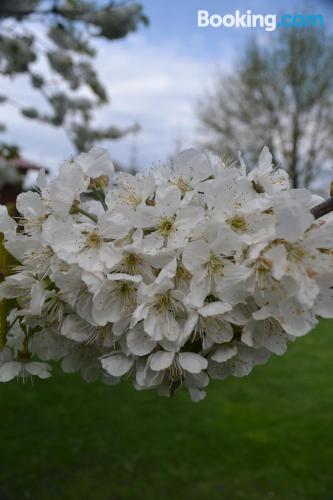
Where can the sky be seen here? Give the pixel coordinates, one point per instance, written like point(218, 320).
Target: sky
point(154, 77)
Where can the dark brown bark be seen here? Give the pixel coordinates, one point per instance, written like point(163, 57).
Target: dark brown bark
point(323, 208)
point(293, 167)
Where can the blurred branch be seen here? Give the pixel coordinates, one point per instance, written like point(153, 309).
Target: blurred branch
point(45, 12)
point(281, 96)
point(323, 208)
point(65, 48)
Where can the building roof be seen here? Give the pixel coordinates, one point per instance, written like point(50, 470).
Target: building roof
point(25, 165)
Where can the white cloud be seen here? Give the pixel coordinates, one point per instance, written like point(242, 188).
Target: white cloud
point(156, 86)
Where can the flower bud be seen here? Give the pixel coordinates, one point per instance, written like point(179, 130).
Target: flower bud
point(100, 182)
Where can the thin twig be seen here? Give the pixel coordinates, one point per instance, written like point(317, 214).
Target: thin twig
point(11, 325)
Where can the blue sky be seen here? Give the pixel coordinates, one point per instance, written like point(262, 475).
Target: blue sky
point(177, 20)
point(155, 77)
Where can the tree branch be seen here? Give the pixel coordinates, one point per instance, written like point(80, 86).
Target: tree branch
point(323, 208)
point(46, 12)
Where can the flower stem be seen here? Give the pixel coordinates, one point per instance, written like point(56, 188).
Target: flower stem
point(87, 214)
point(101, 198)
point(3, 324)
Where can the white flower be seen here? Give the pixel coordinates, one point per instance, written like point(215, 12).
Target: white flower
point(12, 369)
point(131, 192)
point(48, 345)
point(160, 307)
point(208, 322)
point(186, 170)
point(187, 366)
point(213, 273)
point(170, 220)
point(187, 361)
point(84, 359)
point(267, 333)
point(194, 271)
point(86, 244)
point(33, 210)
point(77, 329)
point(117, 364)
point(324, 302)
point(115, 298)
point(294, 318)
point(292, 213)
point(66, 188)
point(30, 292)
point(237, 361)
point(267, 179)
point(95, 163)
point(7, 224)
point(138, 342)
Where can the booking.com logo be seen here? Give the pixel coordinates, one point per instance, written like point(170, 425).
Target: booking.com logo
point(270, 22)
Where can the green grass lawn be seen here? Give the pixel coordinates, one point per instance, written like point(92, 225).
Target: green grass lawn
point(269, 436)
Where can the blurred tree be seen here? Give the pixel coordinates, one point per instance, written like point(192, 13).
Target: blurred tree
point(39, 38)
point(281, 96)
point(14, 173)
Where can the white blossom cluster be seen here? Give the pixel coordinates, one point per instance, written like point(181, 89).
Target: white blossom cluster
point(197, 270)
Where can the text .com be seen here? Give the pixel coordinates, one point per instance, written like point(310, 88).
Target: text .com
point(270, 22)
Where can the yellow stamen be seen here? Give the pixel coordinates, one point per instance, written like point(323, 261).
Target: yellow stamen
point(164, 303)
point(184, 186)
point(238, 223)
point(166, 226)
point(182, 274)
point(94, 240)
point(131, 263)
point(215, 263)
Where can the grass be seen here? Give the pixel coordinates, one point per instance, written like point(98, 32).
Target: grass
point(269, 436)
